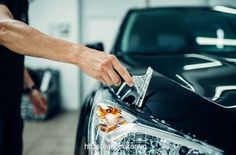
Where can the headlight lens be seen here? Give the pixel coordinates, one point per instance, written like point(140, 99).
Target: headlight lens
point(114, 131)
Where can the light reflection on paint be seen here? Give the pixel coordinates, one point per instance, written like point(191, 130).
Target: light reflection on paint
point(221, 89)
point(215, 41)
point(212, 62)
point(187, 83)
point(231, 60)
point(225, 9)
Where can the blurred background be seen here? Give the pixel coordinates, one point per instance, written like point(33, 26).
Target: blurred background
point(79, 21)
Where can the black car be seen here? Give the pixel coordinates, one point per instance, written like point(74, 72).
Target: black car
point(190, 104)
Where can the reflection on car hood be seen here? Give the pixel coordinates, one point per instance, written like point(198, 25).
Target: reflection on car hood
point(194, 93)
point(210, 76)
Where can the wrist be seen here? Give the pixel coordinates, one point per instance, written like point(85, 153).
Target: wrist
point(78, 54)
point(30, 89)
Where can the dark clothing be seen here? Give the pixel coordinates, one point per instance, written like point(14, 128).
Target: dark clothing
point(11, 86)
point(11, 65)
point(11, 129)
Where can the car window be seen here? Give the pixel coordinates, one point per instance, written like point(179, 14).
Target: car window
point(179, 31)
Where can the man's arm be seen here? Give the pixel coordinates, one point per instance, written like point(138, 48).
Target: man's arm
point(23, 39)
point(5, 13)
point(37, 99)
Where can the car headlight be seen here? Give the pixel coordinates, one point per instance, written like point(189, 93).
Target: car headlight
point(114, 131)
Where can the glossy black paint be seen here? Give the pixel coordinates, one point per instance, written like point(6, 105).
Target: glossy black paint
point(82, 129)
point(185, 98)
point(196, 99)
point(217, 73)
point(190, 112)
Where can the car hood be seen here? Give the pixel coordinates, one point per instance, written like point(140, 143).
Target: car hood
point(211, 76)
point(193, 93)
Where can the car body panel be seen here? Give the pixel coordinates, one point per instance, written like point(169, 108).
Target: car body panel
point(208, 75)
point(190, 112)
point(192, 92)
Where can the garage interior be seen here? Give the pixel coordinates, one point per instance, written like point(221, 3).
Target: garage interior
point(79, 21)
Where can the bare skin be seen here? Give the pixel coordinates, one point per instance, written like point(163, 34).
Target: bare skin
point(37, 99)
point(25, 40)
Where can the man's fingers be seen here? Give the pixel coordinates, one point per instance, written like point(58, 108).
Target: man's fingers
point(40, 105)
point(103, 81)
point(35, 111)
point(107, 79)
point(44, 104)
point(37, 108)
point(122, 71)
point(114, 77)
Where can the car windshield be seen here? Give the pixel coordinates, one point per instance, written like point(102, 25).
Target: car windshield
point(180, 30)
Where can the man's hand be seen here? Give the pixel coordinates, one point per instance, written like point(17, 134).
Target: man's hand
point(39, 102)
point(103, 67)
point(23, 39)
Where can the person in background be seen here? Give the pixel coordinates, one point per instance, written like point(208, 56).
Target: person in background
point(17, 39)
point(37, 99)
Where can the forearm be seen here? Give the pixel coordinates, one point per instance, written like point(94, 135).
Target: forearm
point(39, 102)
point(26, 40)
point(23, 39)
point(5, 13)
point(28, 81)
